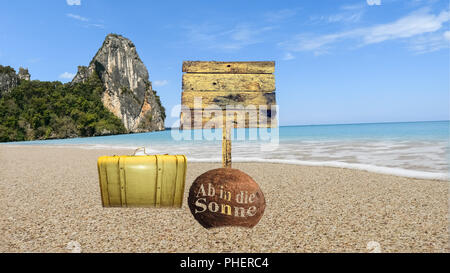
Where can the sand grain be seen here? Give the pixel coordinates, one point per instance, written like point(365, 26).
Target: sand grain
point(49, 197)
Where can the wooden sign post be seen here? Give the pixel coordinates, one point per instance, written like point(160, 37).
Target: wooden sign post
point(234, 89)
point(226, 144)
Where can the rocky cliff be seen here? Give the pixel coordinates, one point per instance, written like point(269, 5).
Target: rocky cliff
point(9, 79)
point(128, 92)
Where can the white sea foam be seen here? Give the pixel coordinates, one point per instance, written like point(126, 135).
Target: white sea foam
point(336, 164)
point(416, 159)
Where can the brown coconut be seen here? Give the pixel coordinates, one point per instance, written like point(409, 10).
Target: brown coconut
point(237, 199)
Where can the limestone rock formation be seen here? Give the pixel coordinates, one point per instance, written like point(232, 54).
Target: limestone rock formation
point(24, 74)
point(82, 74)
point(128, 92)
point(9, 79)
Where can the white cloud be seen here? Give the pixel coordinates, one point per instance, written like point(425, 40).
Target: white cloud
point(447, 35)
point(345, 14)
point(160, 83)
point(411, 25)
point(276, 16)
point(215, 37)
point(67, 75)
point(430, 42)
point(317, 44)
point(346, 17)
point(288, 56)
point(353, 6)
point(415, 24)
point(73, 2)
point(86, 20)
point(96, 25)
point(77, 17)
point(373, 2)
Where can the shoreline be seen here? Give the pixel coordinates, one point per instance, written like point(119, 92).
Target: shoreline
point(400, 172)
point(50, 197)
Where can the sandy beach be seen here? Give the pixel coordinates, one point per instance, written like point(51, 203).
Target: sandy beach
point(49, 196)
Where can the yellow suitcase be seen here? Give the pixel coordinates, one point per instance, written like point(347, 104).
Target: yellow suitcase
point(142, 180)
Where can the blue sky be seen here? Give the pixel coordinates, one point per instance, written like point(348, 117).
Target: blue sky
point(336, 61)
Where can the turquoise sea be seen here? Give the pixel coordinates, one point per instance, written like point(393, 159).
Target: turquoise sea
point(412, 149)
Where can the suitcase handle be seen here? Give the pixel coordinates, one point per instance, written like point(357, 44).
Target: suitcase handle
point(140, 148)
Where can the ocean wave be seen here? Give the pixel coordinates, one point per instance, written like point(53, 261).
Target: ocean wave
point(425, 159)
point(335, 164)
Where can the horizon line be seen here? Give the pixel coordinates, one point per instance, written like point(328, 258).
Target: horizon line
point(331, 124)
point(358, 123)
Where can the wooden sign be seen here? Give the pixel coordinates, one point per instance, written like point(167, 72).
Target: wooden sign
point(229, 67)
point(228, 94)
point(199, 82)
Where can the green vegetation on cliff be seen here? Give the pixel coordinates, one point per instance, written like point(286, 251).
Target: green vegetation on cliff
point(44, 110)
point(6, 69)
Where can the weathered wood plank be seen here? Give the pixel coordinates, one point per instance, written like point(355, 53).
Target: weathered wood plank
point(229, 67)
point(213, 118)
point(228, 82)
point(224, 99)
